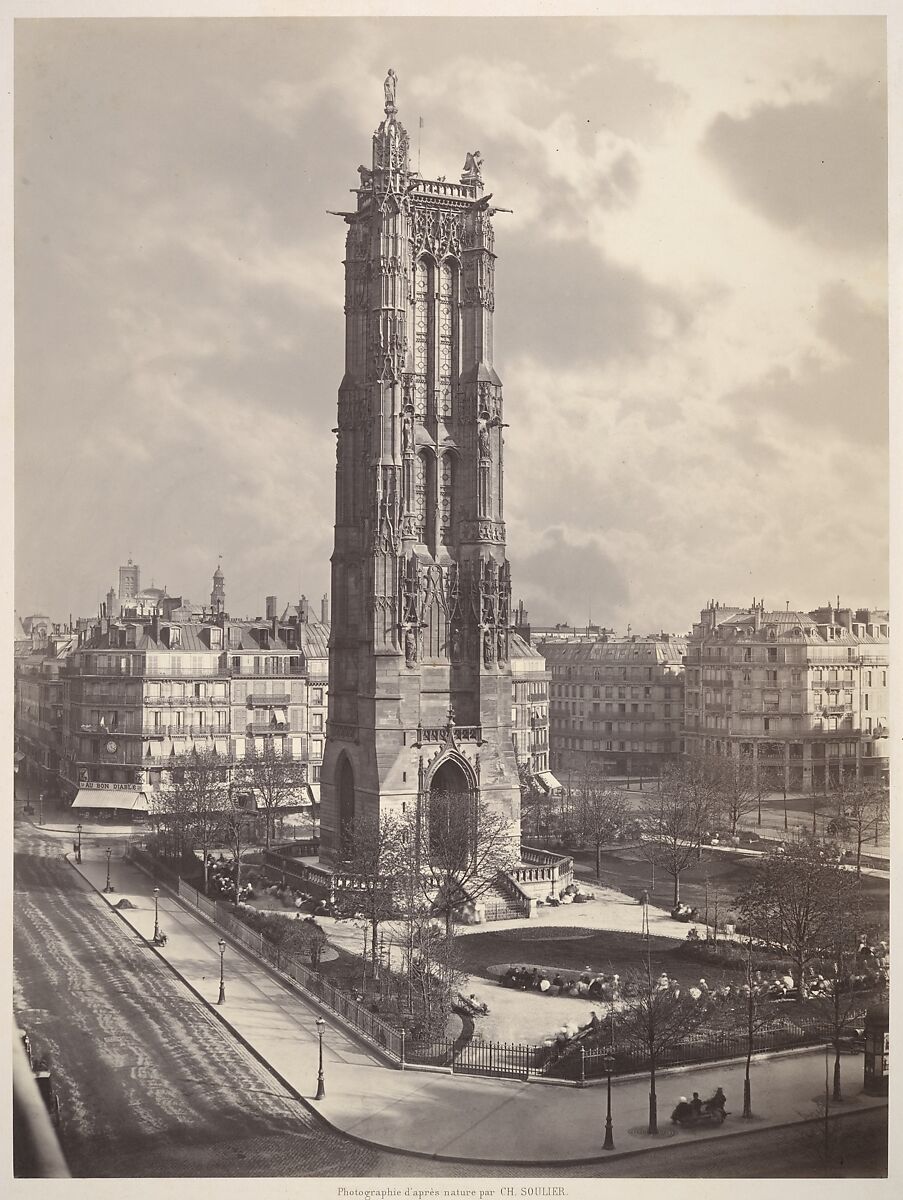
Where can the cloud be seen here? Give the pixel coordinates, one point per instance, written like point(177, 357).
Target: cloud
point(569, 577)
point(842, 390)
point(819, 168)
point(569, 303)
point(683, 367)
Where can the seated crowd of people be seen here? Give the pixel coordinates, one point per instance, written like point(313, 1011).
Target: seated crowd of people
point(293, 897)
point(683, 912)
point(587, 986)
point(572, 894)
point(221, 879)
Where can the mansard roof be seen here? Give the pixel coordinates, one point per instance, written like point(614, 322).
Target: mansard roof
point(623, 651)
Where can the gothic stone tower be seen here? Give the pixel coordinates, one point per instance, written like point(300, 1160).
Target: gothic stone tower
point(420, 687)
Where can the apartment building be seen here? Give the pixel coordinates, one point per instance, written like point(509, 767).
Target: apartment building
point(136, 690)
point(530, 710)
point(616, 704)
point(802, 696)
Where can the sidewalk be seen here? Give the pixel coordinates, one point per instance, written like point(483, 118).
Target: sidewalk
point(438, 1115)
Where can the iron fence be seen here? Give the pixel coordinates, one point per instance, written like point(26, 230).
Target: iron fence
point(505, 1060)
point(579, 1063)
point(309, 982)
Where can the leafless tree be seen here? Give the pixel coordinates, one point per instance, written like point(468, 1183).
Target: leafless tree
point(735, 795)
point(862, 811)
point(676, 817)
point(751, 1009)
point(198, 791)
point(375, 861)
point(276, 781)
point(653, 1019)
point(460, 846)
point(791, 900)
point(603, 813)
point(532, 802)
point(235, 830)
point(845, 996)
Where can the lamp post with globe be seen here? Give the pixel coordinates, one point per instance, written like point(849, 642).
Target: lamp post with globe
point(222, 979)
point(608, 1064)
point(321, 1087)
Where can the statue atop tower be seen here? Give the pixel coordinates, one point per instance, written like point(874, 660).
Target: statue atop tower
point(420, 581)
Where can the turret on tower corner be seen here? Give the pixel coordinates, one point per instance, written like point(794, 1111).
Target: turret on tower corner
point(420, 581)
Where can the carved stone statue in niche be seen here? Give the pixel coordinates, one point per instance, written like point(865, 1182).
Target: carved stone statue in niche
point(484, 424)
point(410, 646)
point(455, 645)
point(488, 648)
point(502, 645)
point(407, 429)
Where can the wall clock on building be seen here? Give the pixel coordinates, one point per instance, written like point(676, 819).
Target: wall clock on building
point(112, 746)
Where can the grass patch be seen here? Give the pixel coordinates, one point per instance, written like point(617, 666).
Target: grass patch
point(572, 950)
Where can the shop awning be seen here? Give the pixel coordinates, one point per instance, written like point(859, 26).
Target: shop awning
point(313, 790)
point(100, 798)
point(547, 781)
point(279, 716)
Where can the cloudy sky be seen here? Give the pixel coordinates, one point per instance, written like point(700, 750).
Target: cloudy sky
point(691, 317)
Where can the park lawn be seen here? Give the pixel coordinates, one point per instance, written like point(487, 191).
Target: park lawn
point(571, 951)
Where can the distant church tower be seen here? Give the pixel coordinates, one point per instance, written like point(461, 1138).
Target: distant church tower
point(420, 688)
point(218, 594)
point(129, 581)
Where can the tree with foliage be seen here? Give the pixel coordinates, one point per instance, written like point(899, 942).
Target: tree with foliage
point(791, 900)
point(460, 847)
point(276, 781)
point(602, 813)
point(734, 791)
point(676, 817)
point(653, 1019)
point(198, 791)
point(374, 861)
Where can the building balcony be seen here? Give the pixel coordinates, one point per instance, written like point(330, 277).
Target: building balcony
point(170, 730)
point(261, 700)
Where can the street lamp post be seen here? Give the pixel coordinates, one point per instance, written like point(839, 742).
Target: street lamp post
point(608, 1062)
point(156, 915)
point(108, 886)
point(78, 848)
point(321, 1087)
point(222, 979)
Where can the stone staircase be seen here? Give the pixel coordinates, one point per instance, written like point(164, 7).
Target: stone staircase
point(501, 904)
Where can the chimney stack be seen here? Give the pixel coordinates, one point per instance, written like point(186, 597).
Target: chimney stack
point(324, 608)
point(302, 609)
point(271, 608)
